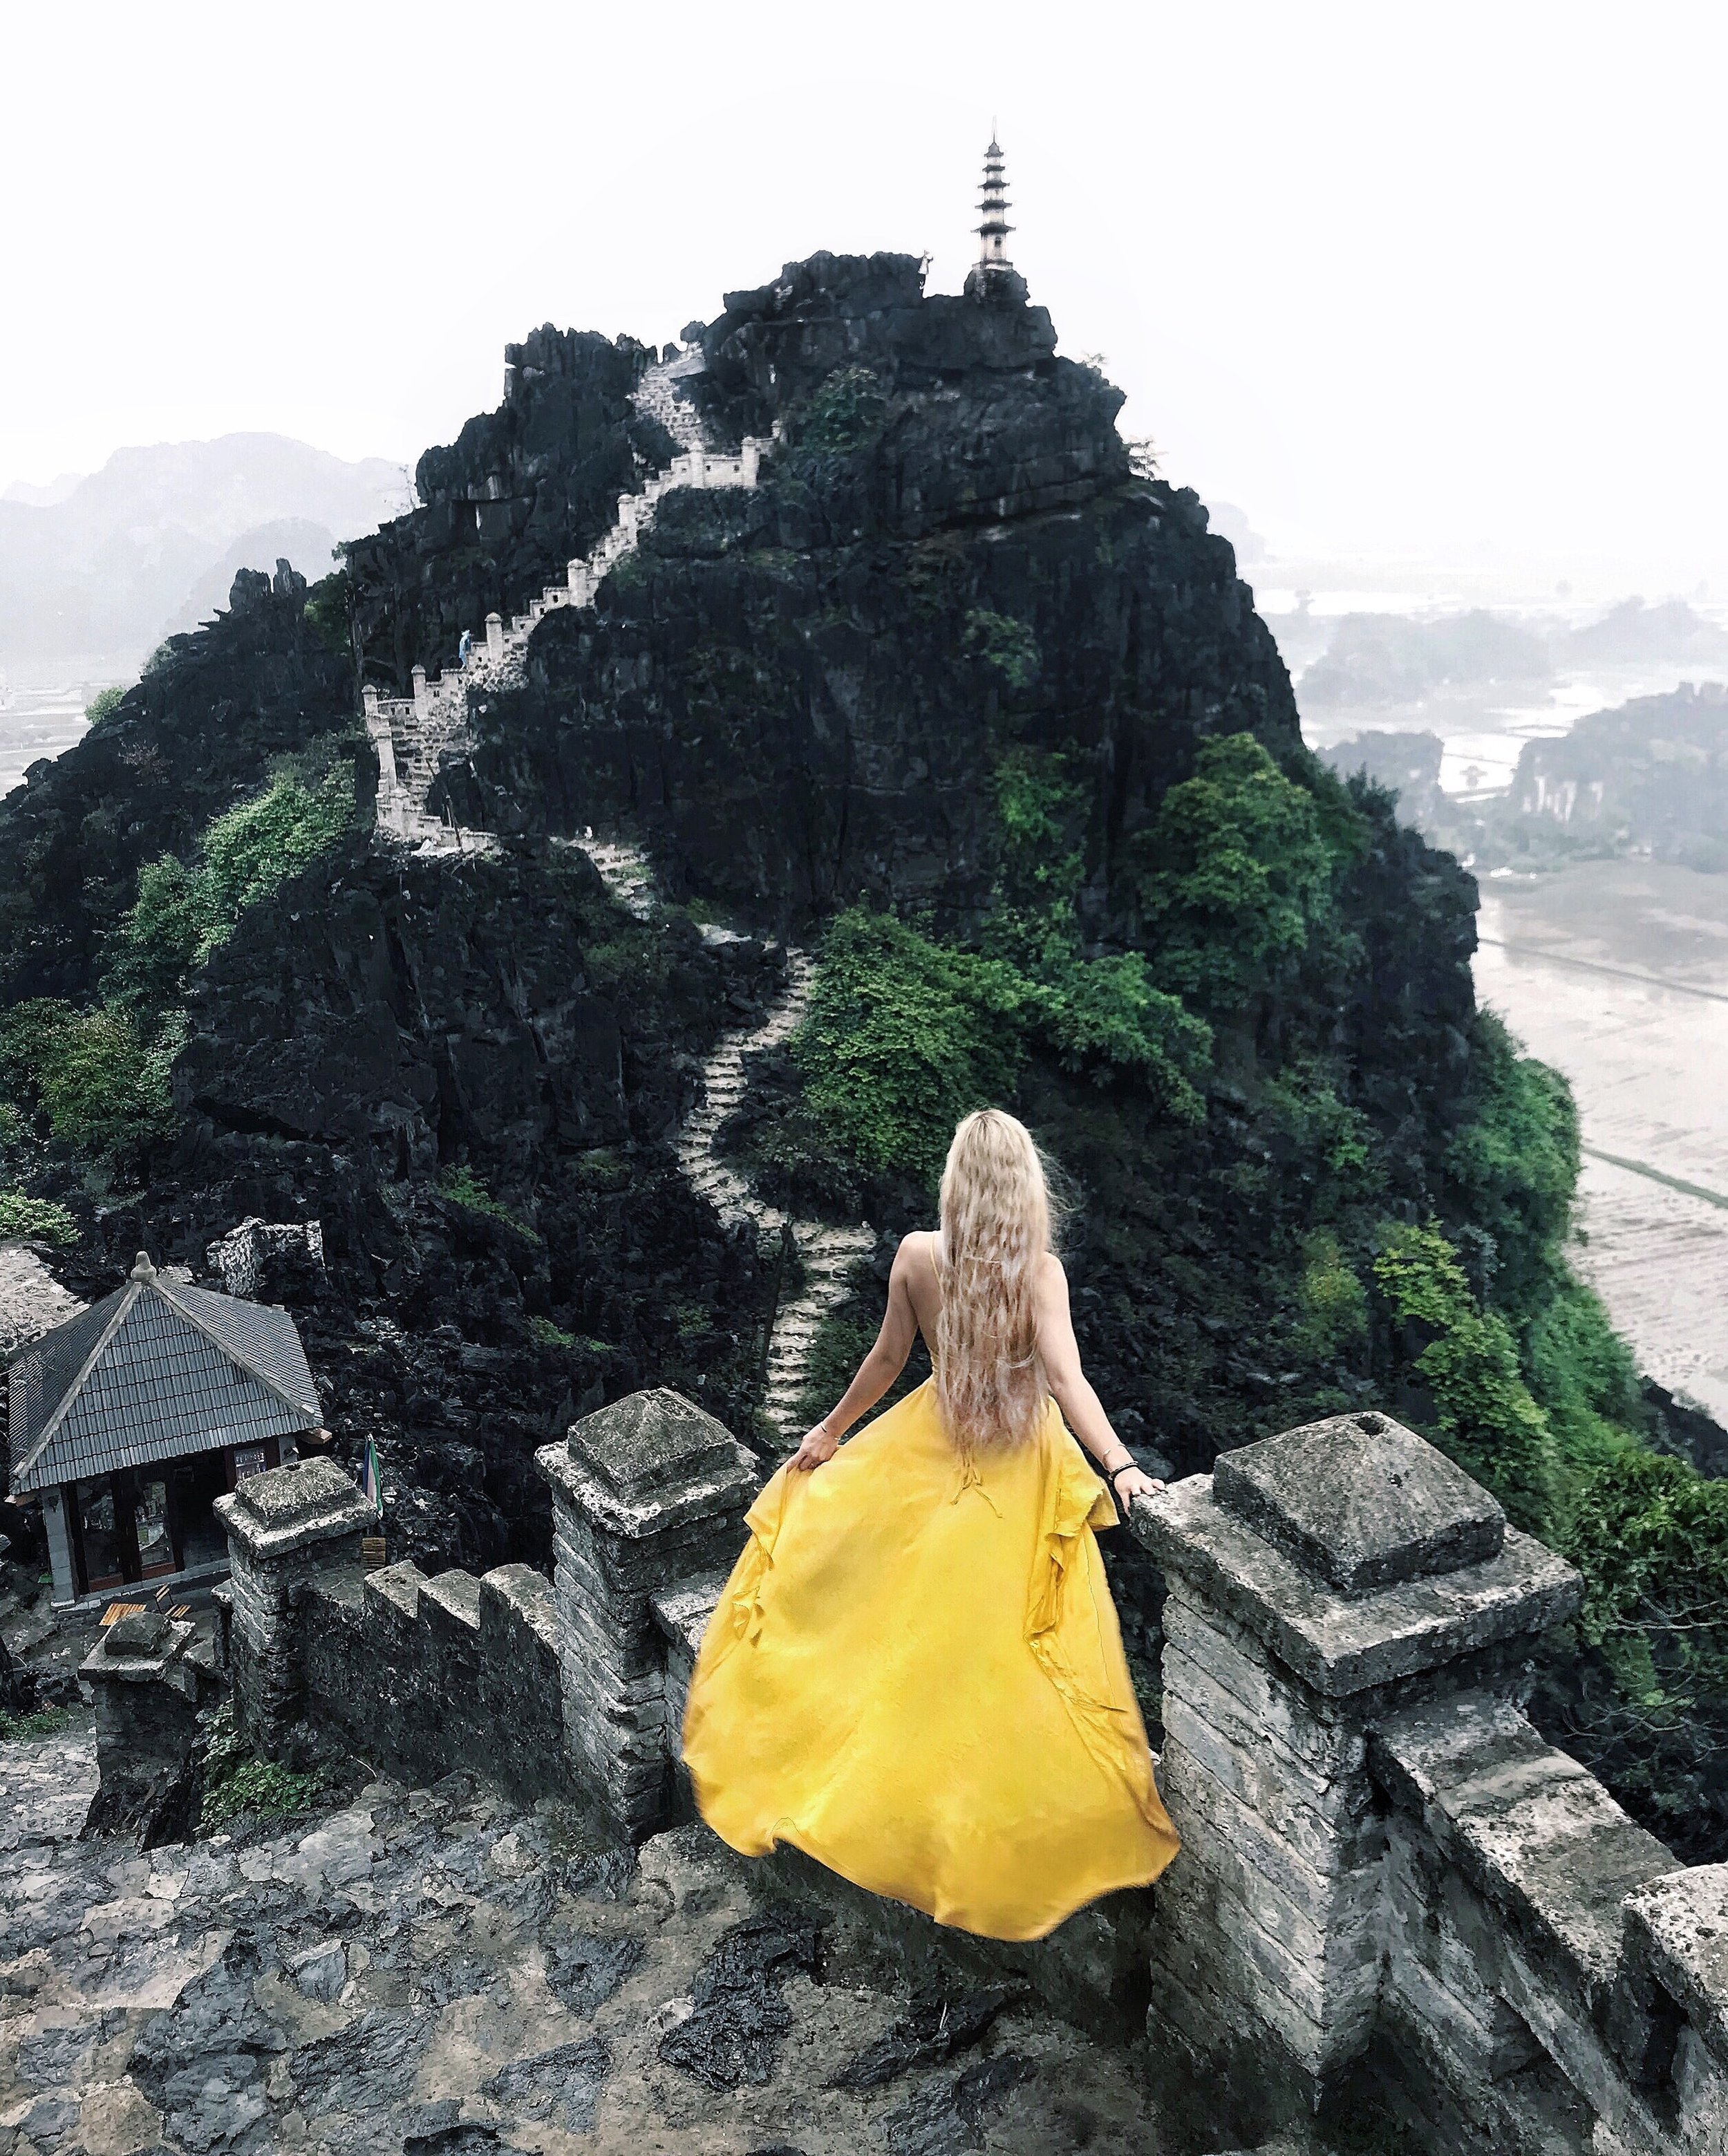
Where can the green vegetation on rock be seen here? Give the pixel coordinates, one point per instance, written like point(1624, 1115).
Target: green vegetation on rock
point(464, 1187)
point(236, 1780)
point(184, 912)
point(103, 706)
point(35, 1219)
point(1234, 871)
point(95, 1082)
point(1483, 1411)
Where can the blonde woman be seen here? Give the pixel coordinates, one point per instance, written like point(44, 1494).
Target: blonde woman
point(914, 1675)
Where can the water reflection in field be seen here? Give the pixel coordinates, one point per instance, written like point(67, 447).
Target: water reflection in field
point(1616, 973)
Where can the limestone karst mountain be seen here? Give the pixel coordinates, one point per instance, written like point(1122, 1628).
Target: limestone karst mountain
point(857, 736)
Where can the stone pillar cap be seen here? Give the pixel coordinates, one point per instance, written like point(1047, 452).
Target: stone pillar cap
point(138, 1649)
point(650, 1441)
point(1361, 1502)
point(1424, 1569)
point(648, 1461)
point(309, 1501)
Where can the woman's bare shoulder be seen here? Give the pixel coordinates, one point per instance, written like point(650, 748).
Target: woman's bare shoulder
point(917, 1249)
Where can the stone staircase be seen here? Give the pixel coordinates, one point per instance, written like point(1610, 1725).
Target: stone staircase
point(413, 735)
point(827, 1255)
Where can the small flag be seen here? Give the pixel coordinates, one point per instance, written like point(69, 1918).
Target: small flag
point(371, 1481)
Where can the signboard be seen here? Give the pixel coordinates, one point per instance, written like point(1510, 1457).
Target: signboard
point(249, 1460)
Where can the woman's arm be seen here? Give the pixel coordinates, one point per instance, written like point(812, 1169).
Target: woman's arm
point(1082, 1409)
point(875, 1374)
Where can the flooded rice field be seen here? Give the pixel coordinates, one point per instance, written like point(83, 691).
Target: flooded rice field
point(1617, 973)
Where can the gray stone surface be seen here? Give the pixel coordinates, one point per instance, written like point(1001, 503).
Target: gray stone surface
point(1342, 1645)
point(143, 1634)
point(440, 1971)
point(652, 1440)
point(1678, 1925)
point(1540, 1839)
point(1360, 1502)
point(428, 1676)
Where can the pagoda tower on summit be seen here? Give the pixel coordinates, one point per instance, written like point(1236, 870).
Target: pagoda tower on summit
point(993, 232)
point(993, 275)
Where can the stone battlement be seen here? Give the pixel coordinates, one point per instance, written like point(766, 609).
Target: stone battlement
point(1386, 1872)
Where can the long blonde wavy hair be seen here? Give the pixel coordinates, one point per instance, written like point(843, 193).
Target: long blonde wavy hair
point(996, 1228)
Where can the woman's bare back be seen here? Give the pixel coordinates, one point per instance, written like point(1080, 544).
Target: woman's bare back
point(914, 1303)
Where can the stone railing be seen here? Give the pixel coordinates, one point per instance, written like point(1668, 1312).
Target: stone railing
point(1385, 1871)
point(533, 1683)
point(410, 736)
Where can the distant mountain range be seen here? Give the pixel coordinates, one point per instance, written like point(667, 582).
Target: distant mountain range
point(113, 562)
point(1380, 661)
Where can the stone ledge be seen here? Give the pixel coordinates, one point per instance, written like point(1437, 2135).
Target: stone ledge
point(395, 1587)
point(1345, 1646)
point(1678, 1926)
point(456, 1596)
point(518, 1593)
point(682, 1611)
point(136, 1664)
point(1531, 1831)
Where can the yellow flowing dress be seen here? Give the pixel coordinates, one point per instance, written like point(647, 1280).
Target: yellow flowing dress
point(915, 1676)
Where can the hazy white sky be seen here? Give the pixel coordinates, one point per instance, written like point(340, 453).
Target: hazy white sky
point(1399, 276)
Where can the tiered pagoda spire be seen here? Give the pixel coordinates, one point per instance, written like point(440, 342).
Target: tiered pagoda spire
point(993, 232)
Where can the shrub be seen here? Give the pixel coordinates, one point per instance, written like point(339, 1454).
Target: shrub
point(99, 1080)
point(103, 706)
point(182, 913)
point(1008, 645)
point(464, 1187)
point(1513, 1165)
point(236, 1780)
point(41, 1721)
point(35, 1219)
point(326, 612)
point(904, 1036)
point(1231, 874)
point(1331, 1300)
point(1105, 1013)
point(1650, 1537)
point(845, 412)
point(1582, 1374)
point(1484, 1416)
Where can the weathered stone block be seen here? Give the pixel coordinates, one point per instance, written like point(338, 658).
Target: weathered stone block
point(1541, 1839)
point(1344, 1646)
point(1677, 1928)
point(1361, 1502)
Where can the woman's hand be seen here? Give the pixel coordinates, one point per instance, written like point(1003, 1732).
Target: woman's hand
point(1132, 1482)
point(817, 1448)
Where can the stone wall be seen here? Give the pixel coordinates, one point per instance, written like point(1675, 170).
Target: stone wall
point(1387, 1874)
point(536, 1684)
point(1385, 1871)
point(427, 1676)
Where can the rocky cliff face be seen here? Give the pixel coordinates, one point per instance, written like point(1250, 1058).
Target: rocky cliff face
point(518, 494)
point(795, 696)
point(198, 734)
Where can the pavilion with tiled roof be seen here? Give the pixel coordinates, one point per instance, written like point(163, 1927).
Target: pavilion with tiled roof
point(130, 1420)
